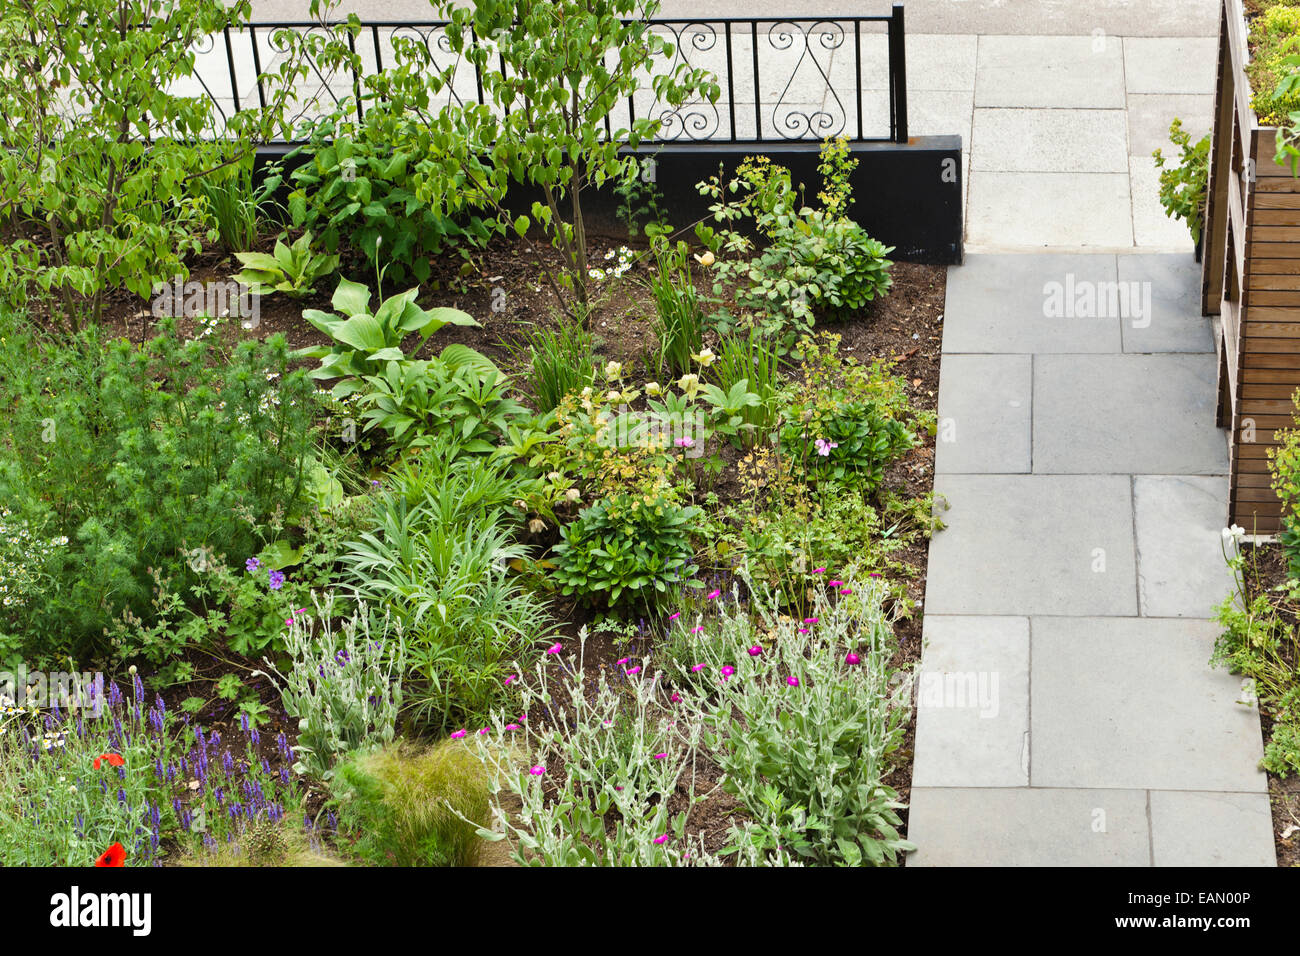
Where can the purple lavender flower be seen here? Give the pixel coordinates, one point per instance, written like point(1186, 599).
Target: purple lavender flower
point(275, 580)
point(252, 564)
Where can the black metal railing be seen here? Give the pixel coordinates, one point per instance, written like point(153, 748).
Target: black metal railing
point(798, 78)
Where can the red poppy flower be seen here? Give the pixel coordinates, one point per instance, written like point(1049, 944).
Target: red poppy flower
point(114, 760)
point(115, 855)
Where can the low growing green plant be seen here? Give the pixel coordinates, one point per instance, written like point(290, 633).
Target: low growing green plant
point(1182, 187)
point(409, 807)
point(293, 270)
point(365, 341)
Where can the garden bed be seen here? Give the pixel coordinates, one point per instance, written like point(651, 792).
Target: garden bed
point(1266, 576)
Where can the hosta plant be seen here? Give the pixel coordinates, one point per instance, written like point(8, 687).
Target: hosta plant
point(365, 340)
point(293, 270)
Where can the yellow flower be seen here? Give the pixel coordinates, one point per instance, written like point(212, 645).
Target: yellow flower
point(705, 260)
point(705, 358)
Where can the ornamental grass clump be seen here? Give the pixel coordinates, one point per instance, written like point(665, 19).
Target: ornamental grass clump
point(407, 807)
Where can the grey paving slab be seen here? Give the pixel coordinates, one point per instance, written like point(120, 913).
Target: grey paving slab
point(1002, 303)
point(1018, 210)
point(1126, 414)
point(936, 113)
point(1047, 140)
point(1170, 64)
point(1179, 521)
point(984, 414)
point(1152, 228)
point(934, 62)
point(1211, 829)
point(1075, 72)
point(1149, 116)
point(1033, 544)
point(972, 703)
point(1028, 827)
point(1133, 703)
point(1169, 289)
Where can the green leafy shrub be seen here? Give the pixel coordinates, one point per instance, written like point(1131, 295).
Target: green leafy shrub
point(543, 122)
point(1182, 187)
point(167, 456)
point(631, 547)
point(360, 182)
point(843, 423)
point(811, 258)
point(414, 808)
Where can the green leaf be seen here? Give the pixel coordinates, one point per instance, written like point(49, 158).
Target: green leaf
point(350, 298)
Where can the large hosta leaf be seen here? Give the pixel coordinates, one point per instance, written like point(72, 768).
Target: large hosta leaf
point(350, 298)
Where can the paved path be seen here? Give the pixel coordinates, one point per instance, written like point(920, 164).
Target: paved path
point(1066, 711)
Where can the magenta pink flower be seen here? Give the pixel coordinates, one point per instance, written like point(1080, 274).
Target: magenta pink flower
point(618, 787)
point(835, 584)
point(755, 651)
point(698, 629)
point(458, 734)
point(622, 660)
point(875, 574)
point(676, 697)
point(811, 620)
point(727, 670)
point(661, 756)
point(513, 727)
point(846, 590)
point(632, 671)
point(803, 630)
point(483, 731)
point(511, 679)
point(674, 616)
point(537, 770)
point(686, 442)
point(713, 594)
point(792, 681)
point(555, 648)
point(698, 667)
point(661, 839)
point(818, 570)
point(852, 659)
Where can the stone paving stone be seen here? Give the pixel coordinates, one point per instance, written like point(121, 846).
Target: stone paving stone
point(1170, 64)
point(1149, 116)
point(1051, 141)
point(999, 303)
point(1211, 829)
point(972, 703)
point(1126, 414)
point(1153, 229)
point(1133, 703)
point(1043, 211)
point(984, 414)
point(1181, 570)
point(1176, 322)
point(1075, 72)
point(1028, 827)
point(934, 62)
point(1033, 544)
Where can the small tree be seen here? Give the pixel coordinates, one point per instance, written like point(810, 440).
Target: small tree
point(552, 71)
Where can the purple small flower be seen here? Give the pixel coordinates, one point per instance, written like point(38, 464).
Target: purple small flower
point(276, 580)
point(251, 565)
point(824, 447)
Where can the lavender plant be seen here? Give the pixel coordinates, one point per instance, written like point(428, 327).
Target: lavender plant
point(345, 685)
